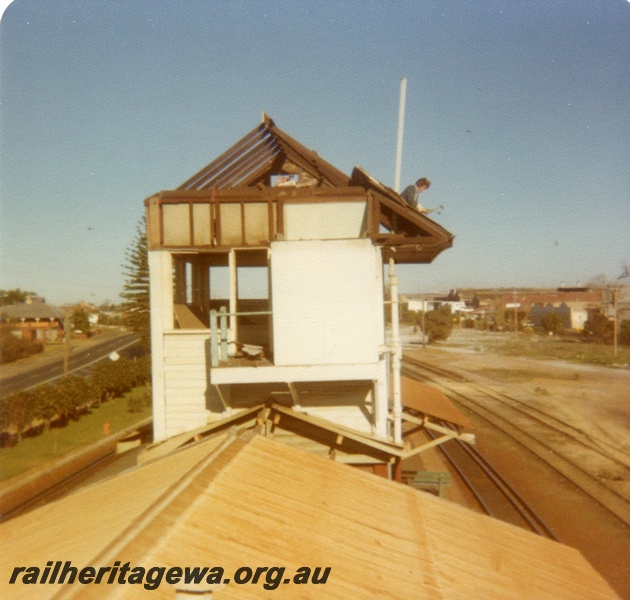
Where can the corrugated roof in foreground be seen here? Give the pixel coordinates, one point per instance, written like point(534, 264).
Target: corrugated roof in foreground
point(253, 502)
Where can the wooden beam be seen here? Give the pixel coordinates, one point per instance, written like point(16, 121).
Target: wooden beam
point(366, 440)
point(224, 159)
point(393, 239)
point(440, 429)
point(397, 471)
point(261, 419)
point(255, 159)
point(296, 149)
point(381, 471)
point(424, 422)
point(413, 419)
point(294, 394)
point(243, 225)
point(431, 444)
point(191, 225)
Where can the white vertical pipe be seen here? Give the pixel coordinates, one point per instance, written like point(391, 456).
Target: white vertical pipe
point(233, 332)
point(401, 128)
point(396, 354)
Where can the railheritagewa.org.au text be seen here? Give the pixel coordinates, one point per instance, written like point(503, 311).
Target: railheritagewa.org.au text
point(150, 578)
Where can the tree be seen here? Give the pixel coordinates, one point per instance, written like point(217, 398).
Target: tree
point(136, 289)
point(499, 315)
point(22, 411)
point(81, 320)
point(109, 314)
point(13, 348)
point(552, 323)
point(438, 324)
point(600, 327)
point(17, 296)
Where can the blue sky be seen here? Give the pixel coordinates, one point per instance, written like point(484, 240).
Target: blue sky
point(517, 110)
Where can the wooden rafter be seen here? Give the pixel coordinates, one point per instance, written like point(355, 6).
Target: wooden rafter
point(242, 174)
point(242, 163)
point(223, 161)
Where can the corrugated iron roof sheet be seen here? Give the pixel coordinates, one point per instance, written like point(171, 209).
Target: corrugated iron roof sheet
point(254, 502)
point(36, 310)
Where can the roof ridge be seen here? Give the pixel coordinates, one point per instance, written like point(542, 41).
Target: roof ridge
point(152, 522)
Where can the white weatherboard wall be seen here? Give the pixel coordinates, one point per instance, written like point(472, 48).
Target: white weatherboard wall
point(186, 380)
point(161, 295)
point(178, 359)
point(325, 221)
point(327, 302)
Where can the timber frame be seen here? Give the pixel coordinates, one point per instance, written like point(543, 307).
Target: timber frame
point(267, 284)
point(338, 443)
point(232, 202)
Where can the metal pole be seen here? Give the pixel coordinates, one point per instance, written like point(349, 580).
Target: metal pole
point(224, 329)
point(214, 343)
point(67, 325)
point(233, 276)
point(396, 354)
point(401, 127)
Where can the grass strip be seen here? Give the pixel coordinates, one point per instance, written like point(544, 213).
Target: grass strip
point(55, 443)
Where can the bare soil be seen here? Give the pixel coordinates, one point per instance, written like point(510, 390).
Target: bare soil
point(594, 399)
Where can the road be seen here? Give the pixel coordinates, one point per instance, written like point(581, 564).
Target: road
point(80, 358)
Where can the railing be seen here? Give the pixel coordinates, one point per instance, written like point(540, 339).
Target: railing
point(219, 341)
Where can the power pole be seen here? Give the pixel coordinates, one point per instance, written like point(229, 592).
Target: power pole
point(424, 308)
point(515, 312)
point(615, 292)
point(67, 326)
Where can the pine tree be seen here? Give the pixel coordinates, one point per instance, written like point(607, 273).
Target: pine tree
point(136, 289)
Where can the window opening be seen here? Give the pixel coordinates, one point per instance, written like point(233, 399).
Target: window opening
point(253, 330)
point(235, 286)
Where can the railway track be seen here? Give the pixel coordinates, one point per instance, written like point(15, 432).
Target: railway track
point(556, 443)
point(56, 488)
point(603, 447)
point(29, 492)
point(496, 497)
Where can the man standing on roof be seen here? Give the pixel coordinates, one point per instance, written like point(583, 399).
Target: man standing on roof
point(411, 192)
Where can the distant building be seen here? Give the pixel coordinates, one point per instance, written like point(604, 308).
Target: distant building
point(33, 320)
point(428, 302)
point(575, 305)
point(540, 311)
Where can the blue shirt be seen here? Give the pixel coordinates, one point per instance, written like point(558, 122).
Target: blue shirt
point(410, 195)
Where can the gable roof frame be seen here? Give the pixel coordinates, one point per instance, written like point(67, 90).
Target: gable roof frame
point(244, 162)
point(243, 174)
